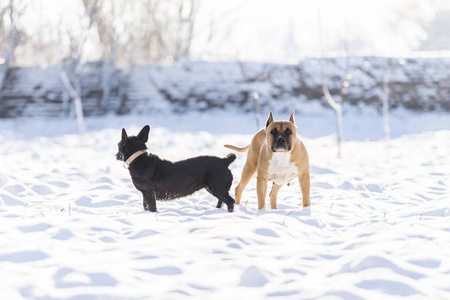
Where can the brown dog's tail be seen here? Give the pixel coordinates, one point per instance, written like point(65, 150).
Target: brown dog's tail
point(237, 149)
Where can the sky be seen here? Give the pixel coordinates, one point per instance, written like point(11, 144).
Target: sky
point(280, 30)
point(271, 30)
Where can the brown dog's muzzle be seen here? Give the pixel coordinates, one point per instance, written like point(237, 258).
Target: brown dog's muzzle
point(281, 144)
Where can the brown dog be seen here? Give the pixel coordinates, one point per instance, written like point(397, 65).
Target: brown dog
point(278, 155)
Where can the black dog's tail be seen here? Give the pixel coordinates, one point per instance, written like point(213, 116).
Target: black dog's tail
point(229, 159)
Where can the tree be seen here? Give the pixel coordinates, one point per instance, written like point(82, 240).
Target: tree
point(169, 28)
point(10, 34)
point(385, 100)
point(185, 22)
point(254, 95)
point(71, 67)
point(104, 15)
point(290, 46)
point(336, 106)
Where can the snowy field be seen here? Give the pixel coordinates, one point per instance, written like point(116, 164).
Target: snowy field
point(73, 226)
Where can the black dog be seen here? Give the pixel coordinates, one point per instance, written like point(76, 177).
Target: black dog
point(160, 179)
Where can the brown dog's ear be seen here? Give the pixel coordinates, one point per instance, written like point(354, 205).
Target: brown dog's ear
point(292, 118)
point(124, 134)
point(270, 119)
point(143, 135)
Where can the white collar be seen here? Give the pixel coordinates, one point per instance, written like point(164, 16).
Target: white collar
point(127, 163)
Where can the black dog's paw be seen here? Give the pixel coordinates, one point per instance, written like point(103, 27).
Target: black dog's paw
point(231, 207)
point(152, 208)
point(148, 208)
point(219, 204)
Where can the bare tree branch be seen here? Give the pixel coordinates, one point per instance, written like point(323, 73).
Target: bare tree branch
point(337, 107)
point(253, 94)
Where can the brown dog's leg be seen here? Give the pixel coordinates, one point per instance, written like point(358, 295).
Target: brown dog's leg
point(305, 186)
point(261, 190)
point(273, 195)
point(247, 173)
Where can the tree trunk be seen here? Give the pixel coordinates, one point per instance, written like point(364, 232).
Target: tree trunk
point(108, 69)
point(337, 107)
point(8, 55)
point(77, 99)
point(254, 94)
point(386, 127)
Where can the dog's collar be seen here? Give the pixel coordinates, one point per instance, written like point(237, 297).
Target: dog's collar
point(127, 163)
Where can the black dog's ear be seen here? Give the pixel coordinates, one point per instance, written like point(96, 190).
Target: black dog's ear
point(124, 134)
point(143, 135)
point(270, 119)
point(292, 118)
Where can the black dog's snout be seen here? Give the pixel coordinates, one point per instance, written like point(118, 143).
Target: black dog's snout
point(119, 156)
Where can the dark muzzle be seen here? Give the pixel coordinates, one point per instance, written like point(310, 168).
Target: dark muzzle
point(119, 156)
point(281, 143)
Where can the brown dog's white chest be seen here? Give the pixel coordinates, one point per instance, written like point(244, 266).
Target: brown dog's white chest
point(281, 170)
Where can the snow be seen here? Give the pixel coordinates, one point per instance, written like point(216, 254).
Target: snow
point(73, 226)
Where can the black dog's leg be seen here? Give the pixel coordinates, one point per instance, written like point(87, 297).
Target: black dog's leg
point(150, 200)
point(220, 202)
point(229, 201)
point(219, 187)
point(145, 203)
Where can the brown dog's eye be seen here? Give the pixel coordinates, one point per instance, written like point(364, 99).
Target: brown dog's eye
point(288, 132)
point(274, 131)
